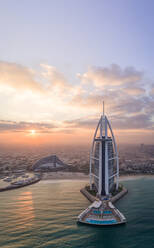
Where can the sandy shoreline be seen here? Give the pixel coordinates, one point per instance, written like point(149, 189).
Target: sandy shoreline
point(60, 175)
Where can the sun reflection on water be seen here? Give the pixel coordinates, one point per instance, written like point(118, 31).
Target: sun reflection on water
point(25, 209)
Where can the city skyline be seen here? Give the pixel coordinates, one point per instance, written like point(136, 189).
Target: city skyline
point(61, 59)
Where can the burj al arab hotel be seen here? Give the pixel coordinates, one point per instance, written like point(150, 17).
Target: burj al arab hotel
point(104, 162)
point(104, 177)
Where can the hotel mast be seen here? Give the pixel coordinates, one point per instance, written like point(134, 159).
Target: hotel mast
point(104, 162)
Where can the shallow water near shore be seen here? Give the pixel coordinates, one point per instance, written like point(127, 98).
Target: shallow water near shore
point(44, 215)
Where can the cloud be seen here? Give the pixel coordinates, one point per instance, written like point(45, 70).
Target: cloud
point(13, 126)
point(134, 91)
point(22, 78)
point(87, 100)
point(116, 102)
point(128, 97)
point(57, 81)
point(140, 121)
point(125, 90)
point(88, 122)
point(18, 77)
point(111, 76)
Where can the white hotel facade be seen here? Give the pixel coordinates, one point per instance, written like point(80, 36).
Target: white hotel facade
point(104, 161)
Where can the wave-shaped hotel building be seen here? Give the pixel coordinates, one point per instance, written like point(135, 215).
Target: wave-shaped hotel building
point(104, 177)
point(104, 162)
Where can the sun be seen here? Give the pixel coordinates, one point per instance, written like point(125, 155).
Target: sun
point(33, 132)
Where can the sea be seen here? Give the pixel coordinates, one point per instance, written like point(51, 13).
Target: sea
point(45, 214)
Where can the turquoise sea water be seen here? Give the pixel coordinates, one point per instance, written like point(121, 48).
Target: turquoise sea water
point(44, 215)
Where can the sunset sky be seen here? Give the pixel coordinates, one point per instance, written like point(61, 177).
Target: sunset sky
point(59, 59)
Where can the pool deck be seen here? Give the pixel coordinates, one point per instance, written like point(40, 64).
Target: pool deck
point(102, 213)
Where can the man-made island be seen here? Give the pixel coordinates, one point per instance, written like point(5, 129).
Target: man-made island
point(102, 212)
point(104, 187)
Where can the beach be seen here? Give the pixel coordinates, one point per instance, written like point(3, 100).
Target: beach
point(60, 175)
point(64, 175)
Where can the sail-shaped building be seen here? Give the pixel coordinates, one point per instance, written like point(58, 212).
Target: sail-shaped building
point(104, 162)
point(104, 178)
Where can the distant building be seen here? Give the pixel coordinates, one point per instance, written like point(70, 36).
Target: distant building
point(142, 147)
point(50, 163)
point(104, 163)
